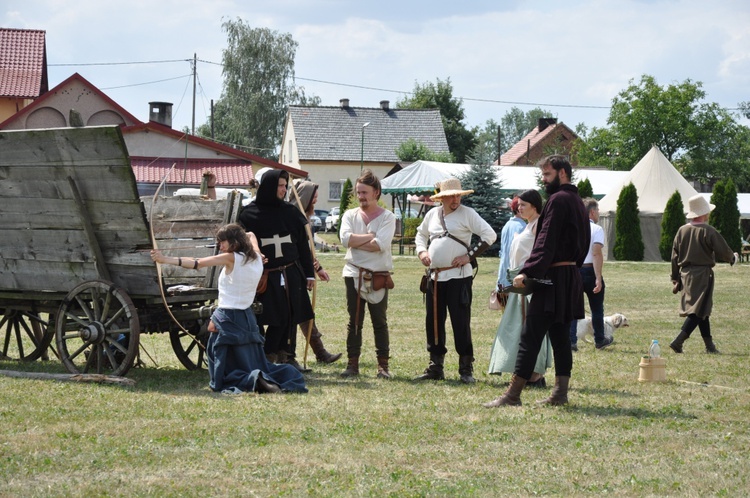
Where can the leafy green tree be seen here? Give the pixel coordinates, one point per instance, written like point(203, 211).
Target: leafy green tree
point(628, 238)
point(726, 217)
point(585, 189)
point(672, 220)
point(258, 88)
point(486, 198)
point(439, 95)
point(414, 150)
point(345, 201)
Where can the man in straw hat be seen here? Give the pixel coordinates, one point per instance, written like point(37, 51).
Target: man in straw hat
point(443, 245)
point(695, 250)
point(562, 241)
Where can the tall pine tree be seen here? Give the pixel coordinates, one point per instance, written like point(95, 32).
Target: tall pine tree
point(673, 219)
point(726, 217)
point(628, 237)
point(585, 189)
point(486, 198)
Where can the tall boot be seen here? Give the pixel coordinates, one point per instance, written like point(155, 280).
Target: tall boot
point(466, 369)
point(710, 346)
point(511, 397)
point(559, 395)
point(317, 346)
point(434, 370)
point(383, 372)
point(676, 345)
point(352, 368)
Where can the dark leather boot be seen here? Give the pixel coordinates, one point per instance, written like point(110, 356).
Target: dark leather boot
point(676, 345)
point(383, 372)
point(263, 386)
point(511, 397)
point(466, 369)
point(434, 370)
point(316, 344)
point(559, 395)
point(710, 346)
point(352, 368)
point(272, 358)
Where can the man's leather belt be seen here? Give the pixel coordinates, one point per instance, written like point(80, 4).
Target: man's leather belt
point(587, 265)
point(280, 268)
point(562, 263)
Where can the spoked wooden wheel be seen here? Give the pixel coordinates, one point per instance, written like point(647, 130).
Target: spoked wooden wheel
point(187, 348)
point(97, 329)
point(25, 335)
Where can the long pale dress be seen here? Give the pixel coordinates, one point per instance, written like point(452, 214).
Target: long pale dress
point(505, 347)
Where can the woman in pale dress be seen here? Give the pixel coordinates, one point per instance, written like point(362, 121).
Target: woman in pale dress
point(505, 347)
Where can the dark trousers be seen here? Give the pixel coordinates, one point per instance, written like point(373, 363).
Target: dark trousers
point(454, 297)
point(378, 316)
point(596, 303)
point(532, 334)
point(692, 321)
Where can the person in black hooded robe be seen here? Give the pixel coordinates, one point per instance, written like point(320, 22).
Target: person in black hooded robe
point(280, 229)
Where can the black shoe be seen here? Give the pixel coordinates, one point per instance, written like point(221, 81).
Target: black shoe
point(263, 386)
point(299, 367)
point(608, 341)
point(574, 348)
point(539, 383)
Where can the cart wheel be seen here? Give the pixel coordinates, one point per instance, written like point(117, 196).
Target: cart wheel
point(25, 335)
point(191, 354)
point(97, 329)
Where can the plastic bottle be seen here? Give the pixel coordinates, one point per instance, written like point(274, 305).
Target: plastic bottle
point(654, 351)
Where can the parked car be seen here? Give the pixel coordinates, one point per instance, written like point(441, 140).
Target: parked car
point(332, 219)
point(316, 223)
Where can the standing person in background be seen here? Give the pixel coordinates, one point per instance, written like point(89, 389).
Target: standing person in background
point(513, 227)
point(505, 348)
point(367, 232)
point(593, 282)
point(236, 361)
point(562, 241)
point(280, 229)
point(443, 245)
point(308, 196)
point(696, 248)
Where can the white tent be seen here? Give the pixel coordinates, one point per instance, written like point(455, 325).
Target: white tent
point(421, 177)
point(655, 180)
point(743, 204)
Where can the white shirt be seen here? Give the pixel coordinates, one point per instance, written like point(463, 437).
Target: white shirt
point(523, 243)
point(597, 237)
point(383, 226)
point(237, 289)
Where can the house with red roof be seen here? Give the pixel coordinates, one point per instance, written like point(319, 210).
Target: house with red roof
point(23, 69)
point(548, 137)
point(153, 146)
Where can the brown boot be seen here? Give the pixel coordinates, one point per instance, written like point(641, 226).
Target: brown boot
point(352, 368)
point(710, 346)
point(317, 346)
point(511, 397)
point(466, 369)
point(383, 372)
point(434, 370)
point(559, 395)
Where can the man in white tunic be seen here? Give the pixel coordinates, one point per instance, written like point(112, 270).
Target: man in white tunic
point(444, 246)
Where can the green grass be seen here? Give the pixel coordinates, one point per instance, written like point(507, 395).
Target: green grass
point(170, 436)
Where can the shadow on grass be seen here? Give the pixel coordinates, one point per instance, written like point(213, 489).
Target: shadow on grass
point(667, 412)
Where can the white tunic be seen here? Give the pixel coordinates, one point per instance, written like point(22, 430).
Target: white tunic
point(237, 289)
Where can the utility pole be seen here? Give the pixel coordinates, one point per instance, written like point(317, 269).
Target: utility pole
point(195, 76)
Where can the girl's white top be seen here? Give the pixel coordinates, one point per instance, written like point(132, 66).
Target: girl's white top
point(237, 289)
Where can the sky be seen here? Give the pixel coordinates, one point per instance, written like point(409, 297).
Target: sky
point(571, 58)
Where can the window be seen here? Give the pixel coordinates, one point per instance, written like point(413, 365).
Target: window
point(289, 159)
point(334, 190)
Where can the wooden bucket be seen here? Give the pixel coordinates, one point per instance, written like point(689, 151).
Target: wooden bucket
point(652, 370)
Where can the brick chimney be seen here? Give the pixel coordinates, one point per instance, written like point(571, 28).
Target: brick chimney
point(160, 112)
point(545, 122)
point(384, 104)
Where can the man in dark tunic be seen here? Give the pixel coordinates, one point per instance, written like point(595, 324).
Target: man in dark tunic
point(695, 250)
point(280, 229)
point(561, 245)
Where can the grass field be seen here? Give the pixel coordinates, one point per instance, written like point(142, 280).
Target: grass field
point(170, 436)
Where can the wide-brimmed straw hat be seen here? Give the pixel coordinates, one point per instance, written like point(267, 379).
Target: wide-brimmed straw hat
point(698, 207)
point(450, 187)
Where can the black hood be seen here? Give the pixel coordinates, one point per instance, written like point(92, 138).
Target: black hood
point(269, 183)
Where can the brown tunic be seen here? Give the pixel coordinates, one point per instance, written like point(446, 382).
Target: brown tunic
point(695, 250)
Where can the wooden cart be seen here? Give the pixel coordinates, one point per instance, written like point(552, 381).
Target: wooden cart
point(74, 253)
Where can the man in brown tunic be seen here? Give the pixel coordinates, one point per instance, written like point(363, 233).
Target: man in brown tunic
point(695, 250)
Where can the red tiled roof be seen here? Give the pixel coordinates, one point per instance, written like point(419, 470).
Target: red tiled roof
point(229, 173)
point(526, 143)
point(22, 62)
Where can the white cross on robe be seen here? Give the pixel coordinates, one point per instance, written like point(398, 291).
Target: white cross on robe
point(276, 241)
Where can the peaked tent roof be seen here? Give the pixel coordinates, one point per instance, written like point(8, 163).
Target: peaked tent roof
point(420, 177)
point(656, 180)
point(23, 63)
point(335, 133)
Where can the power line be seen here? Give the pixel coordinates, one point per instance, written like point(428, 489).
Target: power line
point(118, 63)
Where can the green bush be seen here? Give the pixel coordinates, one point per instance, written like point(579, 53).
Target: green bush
point(628, 237)
point(585, 189)
point(410, 226)
point(673, 219)
point(726, 217)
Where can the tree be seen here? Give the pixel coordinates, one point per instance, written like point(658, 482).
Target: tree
point(439, 95)
point(414, 150)
point(672, 220)
point(700, 138)
point(258, 88)
point(485, 200)
point(516, 124)
point(628, 238)
point(585, 189)
point(345, 202)
point(726, 216)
